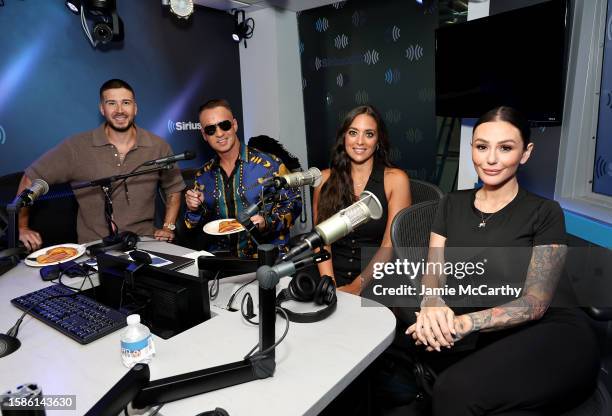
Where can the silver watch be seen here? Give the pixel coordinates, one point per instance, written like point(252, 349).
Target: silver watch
point(170, 226)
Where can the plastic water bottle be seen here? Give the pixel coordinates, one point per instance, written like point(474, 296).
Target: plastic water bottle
point(136, 343)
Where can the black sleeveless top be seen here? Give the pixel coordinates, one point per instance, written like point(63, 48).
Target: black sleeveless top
point(346, 252)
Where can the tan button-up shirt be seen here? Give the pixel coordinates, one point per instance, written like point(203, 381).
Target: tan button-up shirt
point(88, 156)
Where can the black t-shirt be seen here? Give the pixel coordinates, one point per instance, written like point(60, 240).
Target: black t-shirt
point(502, 247)
point(527, 221)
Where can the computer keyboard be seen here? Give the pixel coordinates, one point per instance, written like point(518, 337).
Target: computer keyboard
point(82, 319)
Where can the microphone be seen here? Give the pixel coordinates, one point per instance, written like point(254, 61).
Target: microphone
point(269, 276)
point(186, 155)
point(29, 195)
point(310, 177)
point(339, 225)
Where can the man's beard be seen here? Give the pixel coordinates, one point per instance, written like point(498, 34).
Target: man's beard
point(121, 129)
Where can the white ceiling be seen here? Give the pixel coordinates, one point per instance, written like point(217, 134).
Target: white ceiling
point(251, 5)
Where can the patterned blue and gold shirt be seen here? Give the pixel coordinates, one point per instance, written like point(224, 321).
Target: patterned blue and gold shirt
point(226, 197)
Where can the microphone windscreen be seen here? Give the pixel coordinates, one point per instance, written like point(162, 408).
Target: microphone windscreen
point(374, 206)
point(346, 220)
point(316, 174)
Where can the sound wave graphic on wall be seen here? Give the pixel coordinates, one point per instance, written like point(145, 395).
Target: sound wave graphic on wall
point(318, 63)
point(304, 83)
point(395, 154)
point(414, 135)
point(322, 24)
point(341, 41)
point(395, 33)
point(393, 116)
point(340, 80)
point(414, 52)
point(339, 4)
point(371, 57)
point(602, 167)
point(329, 99)
point(362, 97)
point(2, 135)
point(358, 18)
point(171, 127)
point(392, 76)
point(427, 95)
point(609, 99)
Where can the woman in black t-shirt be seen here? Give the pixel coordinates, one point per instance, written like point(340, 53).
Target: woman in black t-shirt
point(359, 162)
point(524, 357)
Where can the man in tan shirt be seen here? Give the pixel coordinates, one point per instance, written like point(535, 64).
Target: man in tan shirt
point(116, 147)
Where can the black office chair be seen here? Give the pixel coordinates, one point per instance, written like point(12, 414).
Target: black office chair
point(424, 191)
point(410, 232)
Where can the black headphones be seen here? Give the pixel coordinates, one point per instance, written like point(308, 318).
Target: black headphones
point(304, 288)
point(123, 241)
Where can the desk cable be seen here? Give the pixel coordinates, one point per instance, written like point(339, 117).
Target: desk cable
point(86, 276)
point(260, 354)
point(214, 288)
point(229, 306)
point(249, 314)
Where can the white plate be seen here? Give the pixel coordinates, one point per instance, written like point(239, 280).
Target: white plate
point(80, 248)
point(212, 227)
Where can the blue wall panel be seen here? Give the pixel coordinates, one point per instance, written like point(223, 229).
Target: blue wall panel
point(50, 75)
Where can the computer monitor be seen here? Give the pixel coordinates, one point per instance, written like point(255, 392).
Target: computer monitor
point(168, 302)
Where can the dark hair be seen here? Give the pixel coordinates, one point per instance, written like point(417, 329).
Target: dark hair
point(214, 103)
point(115, 83)
point(337, 192)
point(509, 115)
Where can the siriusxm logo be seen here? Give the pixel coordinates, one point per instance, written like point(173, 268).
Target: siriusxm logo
point(182, 126)
point(2, 135)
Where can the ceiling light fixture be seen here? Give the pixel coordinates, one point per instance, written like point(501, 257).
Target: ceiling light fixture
point(74, 6)
point(182, 9)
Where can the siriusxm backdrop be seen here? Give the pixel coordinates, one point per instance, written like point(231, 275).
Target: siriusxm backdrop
point(380, 53)
point(50, 75)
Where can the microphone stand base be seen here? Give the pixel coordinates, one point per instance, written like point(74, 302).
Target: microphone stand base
point(8, 345)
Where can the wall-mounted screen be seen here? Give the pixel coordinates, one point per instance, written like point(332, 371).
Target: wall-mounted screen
point(515, 58)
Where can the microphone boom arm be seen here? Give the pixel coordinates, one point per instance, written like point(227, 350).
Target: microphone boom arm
point(105, 186)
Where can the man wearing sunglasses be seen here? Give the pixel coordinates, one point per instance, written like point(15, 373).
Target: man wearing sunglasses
point(231, 182)
point(116, 147)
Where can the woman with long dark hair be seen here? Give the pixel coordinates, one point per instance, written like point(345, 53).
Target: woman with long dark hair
point(514, 354)
point(360, 161)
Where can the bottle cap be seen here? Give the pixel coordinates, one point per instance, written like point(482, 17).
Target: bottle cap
point(133, 319)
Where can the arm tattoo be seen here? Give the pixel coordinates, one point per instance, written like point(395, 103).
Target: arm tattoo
point(542, 277)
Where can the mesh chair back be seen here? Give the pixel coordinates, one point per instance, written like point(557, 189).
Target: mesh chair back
point(410, 230)
point(424, 191)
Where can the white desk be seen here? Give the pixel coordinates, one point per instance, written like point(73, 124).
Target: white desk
point(314, 363)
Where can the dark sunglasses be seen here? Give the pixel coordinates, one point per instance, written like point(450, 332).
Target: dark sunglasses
point(225, 125)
